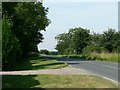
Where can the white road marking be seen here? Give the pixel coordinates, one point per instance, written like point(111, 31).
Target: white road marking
point(111, 67)
point(115, 82)
point(104, 65)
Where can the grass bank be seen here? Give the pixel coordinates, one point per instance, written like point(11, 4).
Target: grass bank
point(40, 63)
point(55, 81)
point(110, 57)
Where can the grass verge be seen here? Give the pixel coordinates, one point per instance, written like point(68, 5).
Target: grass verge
point(55, 81)
point(40, 63)
point(110, 57)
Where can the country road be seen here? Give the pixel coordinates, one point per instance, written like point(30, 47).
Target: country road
point(106, 70)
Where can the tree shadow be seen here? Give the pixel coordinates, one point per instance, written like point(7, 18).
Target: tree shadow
point(28, 64)
point(45, 65)
point(19, 81)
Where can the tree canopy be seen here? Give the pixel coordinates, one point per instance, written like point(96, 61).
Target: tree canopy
point(79, 40)
point(26, 19)
point(73, 41)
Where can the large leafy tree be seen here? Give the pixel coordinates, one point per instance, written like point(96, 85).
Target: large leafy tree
point(72, 42)
point(27, 20)
point(80, 39)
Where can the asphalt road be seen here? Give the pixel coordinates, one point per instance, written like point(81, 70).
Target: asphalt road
point(107, 70)
point(104, 69)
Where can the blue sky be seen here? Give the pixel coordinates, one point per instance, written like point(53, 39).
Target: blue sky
point(96, 16)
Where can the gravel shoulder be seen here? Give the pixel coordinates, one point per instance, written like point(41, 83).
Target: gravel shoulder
point(66, 70)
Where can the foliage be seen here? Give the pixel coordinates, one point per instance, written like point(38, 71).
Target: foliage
point(44, 51)
point(28, 19)
point(117, 43)
point(73, 41)
point(54, 53)
point(79, 40)
point(11, 51)
point(109, 39)
point(63, 40)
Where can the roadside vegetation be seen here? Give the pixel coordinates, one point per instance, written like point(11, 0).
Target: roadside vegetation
point(110, 57)
point(22, 23)
point(55, 81)
point(83, 44)
point(36, 63)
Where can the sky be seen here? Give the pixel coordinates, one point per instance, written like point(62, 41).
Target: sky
point(96, 16)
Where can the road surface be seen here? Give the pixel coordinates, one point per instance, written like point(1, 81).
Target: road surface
point(106, 70)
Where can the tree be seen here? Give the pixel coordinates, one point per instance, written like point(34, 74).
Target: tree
point(63, 40)
point(72, 42)
point(10, 46)
point(28, 20)
point(22, 27)
point(95, 44)
point(80, 38)
point(109, 39)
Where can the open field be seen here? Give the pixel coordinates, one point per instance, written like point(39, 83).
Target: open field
point(40, 63)
point(55, 81)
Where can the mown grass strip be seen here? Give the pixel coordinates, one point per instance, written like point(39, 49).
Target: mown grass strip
point(55, 81)
point(40, 63)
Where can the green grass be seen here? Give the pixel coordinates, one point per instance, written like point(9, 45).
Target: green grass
point(82, 57)
point(39, 63)
point(55, 81)
point(110, 57)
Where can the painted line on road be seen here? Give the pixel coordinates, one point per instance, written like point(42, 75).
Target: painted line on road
point(111, 67)
point(115, 82)
point(104, 65)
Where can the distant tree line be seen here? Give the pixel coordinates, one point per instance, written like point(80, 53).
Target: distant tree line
point(80, 40)
point(21, 26)
point(47, 52)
